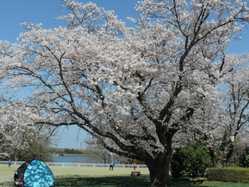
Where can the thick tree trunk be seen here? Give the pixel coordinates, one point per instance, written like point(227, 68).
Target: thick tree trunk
point(213, 156)
point(159, 170)
point(229, 153)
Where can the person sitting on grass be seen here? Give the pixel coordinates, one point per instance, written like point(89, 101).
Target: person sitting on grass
point(34, 173)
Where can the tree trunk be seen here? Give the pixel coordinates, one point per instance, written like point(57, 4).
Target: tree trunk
point(159, 170)
point(229, 153)
point(213, 156)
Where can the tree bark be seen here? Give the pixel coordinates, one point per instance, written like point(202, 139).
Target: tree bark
point(159, 170)
point(229, 153)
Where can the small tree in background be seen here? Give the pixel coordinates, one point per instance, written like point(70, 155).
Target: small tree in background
point(20, 139)
point(97, 151)
point(235, 104)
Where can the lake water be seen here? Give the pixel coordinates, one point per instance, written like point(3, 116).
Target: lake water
point(73, 158)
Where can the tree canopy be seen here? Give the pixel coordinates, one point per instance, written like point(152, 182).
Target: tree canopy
point(140, 90)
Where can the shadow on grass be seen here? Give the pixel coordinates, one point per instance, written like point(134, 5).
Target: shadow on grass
point(78, 181)
point(143, 181)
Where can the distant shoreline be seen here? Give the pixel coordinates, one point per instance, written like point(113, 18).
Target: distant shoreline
point(82, 158)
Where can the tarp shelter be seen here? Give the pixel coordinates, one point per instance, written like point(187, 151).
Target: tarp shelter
point(34, 173)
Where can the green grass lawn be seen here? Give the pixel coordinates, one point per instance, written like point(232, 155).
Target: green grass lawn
point(6, 173)
point(102, 177)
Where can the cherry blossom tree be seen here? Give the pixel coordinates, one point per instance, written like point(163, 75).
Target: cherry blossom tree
point(235, 102)
point(18, 134)
point(228, 119)
point(137, 89)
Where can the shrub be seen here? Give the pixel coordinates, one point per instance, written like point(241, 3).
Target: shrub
point(190, 161)
point(228, 174)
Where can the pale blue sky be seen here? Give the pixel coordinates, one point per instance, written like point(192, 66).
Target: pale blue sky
point(14, 12)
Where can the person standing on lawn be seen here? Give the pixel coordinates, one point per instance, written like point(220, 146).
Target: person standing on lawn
point(9, 162)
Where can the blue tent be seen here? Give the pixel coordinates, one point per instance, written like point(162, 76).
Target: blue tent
point(35, 174)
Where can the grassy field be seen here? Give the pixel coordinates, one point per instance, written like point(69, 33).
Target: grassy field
point(102, 177)
point(6, 173)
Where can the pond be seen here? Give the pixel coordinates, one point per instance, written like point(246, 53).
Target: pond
point(73, 158)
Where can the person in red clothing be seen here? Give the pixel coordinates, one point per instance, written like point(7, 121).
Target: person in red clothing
point(19, 174)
